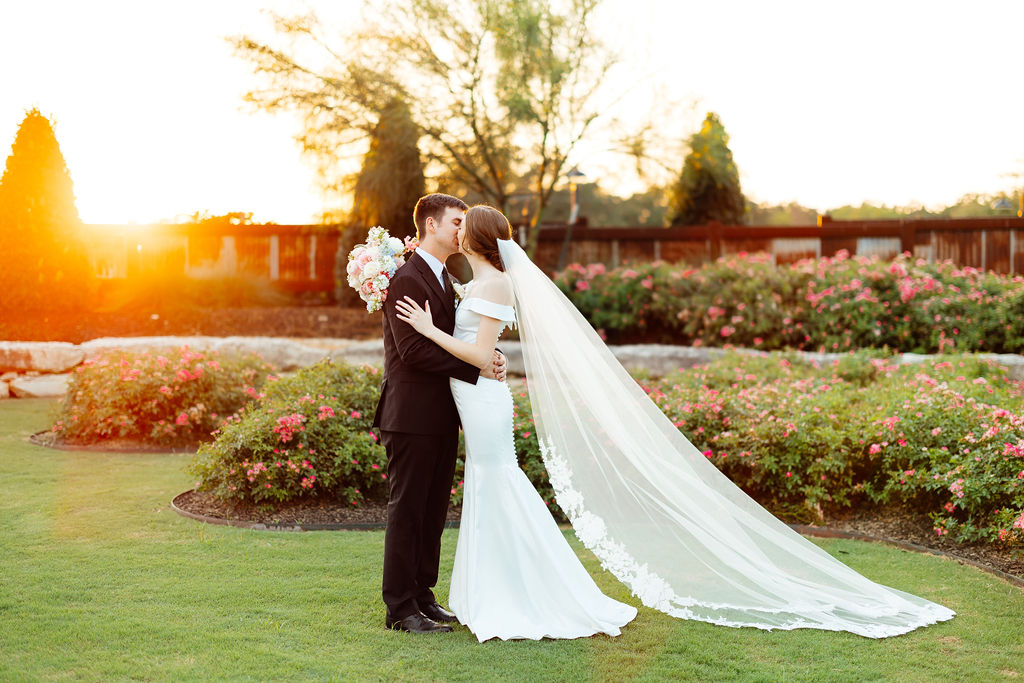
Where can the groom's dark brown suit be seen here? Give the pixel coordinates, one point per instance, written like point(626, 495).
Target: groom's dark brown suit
point(420, 430)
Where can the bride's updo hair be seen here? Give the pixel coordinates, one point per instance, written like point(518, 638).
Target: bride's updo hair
point(485, 225)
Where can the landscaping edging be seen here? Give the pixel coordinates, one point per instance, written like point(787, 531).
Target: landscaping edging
point(803, 529)
point(39, 439)
point(261, 526)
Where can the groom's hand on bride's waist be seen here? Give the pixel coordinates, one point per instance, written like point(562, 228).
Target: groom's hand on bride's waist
point(496, 370)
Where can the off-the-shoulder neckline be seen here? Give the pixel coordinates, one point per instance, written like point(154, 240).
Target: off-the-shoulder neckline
point(486, 301)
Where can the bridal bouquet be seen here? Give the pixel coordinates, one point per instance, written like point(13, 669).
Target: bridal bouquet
point(372, 265)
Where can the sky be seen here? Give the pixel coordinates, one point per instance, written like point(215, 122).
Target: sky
point(896, 102)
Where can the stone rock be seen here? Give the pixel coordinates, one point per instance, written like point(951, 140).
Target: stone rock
point(41, 356)
point(43, 386)
point(1013, 363)
point(370, 352)
point(513, 351)
point(95, 347)
point(5, 390)
point(661, 359)
point(7, 376)
point(286, 354)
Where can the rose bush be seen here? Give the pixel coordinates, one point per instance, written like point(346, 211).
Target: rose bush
point(944, 438)
point(828, 304)
point(307, 435)
point(175, 398)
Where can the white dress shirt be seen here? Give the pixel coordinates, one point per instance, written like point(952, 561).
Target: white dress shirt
point(435, 266)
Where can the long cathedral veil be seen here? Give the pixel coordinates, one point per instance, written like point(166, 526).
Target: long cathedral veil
point(656, 513)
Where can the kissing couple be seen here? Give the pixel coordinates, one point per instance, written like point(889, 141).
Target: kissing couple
point(660, 517)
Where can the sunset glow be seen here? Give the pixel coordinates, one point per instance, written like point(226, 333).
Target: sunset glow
point(825, 104)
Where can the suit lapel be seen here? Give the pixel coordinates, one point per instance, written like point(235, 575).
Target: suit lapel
point(427, 274)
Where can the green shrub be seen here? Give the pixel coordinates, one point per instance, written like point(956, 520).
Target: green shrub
point(828, 304)
point(174, 398)
point(798, 437)
point(309, 435)
point(930, 437)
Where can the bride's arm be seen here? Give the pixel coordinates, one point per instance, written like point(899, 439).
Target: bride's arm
point(479, 353)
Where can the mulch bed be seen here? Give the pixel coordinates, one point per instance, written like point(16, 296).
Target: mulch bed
point(890, 524)
point(262, 321)
point(899, 525)
point(305, 512)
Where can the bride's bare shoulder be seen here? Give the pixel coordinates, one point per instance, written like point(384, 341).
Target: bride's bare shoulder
point(496, 289)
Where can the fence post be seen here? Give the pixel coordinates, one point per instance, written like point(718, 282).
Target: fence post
point(714, 240)
point(984, 249)
point(312, 257)
point(275, 251)
point(907, 237)
point(1013, 251)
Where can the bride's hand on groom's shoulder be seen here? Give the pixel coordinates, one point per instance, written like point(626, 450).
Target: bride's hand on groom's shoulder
point(409, 311)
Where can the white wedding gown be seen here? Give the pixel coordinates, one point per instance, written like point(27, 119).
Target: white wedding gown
point(515, 575)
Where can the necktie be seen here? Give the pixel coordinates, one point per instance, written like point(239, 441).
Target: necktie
point(444, 279)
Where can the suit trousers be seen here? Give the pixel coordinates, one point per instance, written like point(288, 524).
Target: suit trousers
point(420, 472)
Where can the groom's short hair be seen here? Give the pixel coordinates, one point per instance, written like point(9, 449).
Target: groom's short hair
point(433, 206)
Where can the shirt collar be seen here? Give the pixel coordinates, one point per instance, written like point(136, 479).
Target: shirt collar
point(435, 265)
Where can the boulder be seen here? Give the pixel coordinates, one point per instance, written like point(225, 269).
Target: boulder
point(139, 344)
point(661, 359)
point(285, 354)
point(370, 352)
point(41, 356)
point(43, 386)
point(657, 359)
point(1013, 363)
point(7, 376)
point(5, 390)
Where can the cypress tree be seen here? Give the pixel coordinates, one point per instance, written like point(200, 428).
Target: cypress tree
point(708, 187)
point(45, 264)
point(386, 189)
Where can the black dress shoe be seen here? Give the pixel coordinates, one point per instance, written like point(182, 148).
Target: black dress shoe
point(416, 623)
point(437, 613)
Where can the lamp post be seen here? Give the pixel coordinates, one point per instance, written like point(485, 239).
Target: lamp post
point(576, 178)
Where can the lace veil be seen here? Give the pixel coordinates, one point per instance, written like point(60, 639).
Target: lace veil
point(656, 513)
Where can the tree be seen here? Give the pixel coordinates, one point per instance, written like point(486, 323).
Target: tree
point(386, 190)
point(500, 90)
point(708, 189)
point(45, 262)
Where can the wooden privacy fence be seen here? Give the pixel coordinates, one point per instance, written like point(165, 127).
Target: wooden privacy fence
point(995, 244)
point(296, 258)
point(300, 258)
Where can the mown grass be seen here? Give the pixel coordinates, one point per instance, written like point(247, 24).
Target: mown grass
point(101, 580)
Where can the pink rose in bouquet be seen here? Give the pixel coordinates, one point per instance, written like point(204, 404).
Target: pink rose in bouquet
point(372, 265)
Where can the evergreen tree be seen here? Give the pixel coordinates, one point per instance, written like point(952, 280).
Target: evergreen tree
point(386, 189)
point(709, 186)
point(45, 264)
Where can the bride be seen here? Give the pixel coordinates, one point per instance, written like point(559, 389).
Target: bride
point(640, 496)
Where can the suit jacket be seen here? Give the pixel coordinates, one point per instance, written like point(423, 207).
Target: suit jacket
point(415, 396)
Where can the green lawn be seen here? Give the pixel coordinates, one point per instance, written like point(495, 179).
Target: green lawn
point(102, 580)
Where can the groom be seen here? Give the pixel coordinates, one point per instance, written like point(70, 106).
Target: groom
point(419, 423)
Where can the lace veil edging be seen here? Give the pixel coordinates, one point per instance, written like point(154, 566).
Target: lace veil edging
point(655, 512)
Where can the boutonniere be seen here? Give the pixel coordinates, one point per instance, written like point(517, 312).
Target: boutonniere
point(459, 289)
